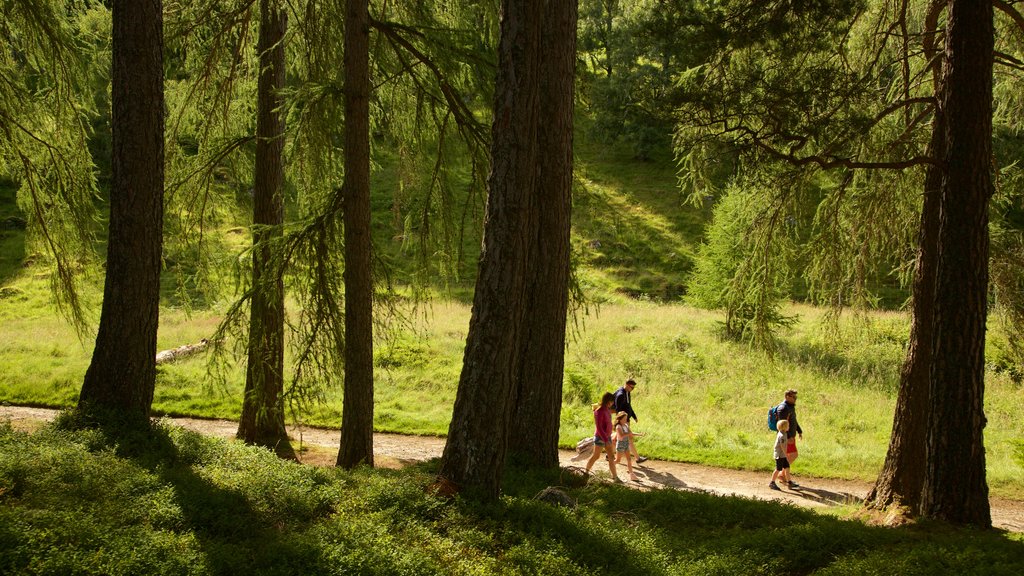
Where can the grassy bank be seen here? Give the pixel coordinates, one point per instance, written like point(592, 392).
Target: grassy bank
point(173, 502)
point(699, 399)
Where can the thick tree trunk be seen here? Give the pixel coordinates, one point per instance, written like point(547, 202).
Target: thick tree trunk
point(538, 408)
point(122, 374)
point(357, 410)
point(474, 456)
point(902, 475)
point(262, 420)
point(954, 487)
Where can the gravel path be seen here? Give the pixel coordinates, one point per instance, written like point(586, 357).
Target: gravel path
point(396, 450)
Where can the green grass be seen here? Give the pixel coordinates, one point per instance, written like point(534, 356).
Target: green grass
point(173, 502)
point(632, 232)
point(700, 399)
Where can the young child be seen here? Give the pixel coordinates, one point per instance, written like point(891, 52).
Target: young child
point(623, 435)
point(603, 433)
point(781, 462)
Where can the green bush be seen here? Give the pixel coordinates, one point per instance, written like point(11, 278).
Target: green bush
point(743, 267)
point(578, 387)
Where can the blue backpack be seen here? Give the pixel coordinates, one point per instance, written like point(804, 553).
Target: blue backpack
point(773, 418)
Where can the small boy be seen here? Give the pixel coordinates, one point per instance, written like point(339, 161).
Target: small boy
point(781, 462)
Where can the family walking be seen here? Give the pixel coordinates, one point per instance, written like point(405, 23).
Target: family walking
point(612, 434)
point(614, 438)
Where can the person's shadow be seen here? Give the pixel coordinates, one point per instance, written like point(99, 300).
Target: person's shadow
point(650, 478)
point(825, 496)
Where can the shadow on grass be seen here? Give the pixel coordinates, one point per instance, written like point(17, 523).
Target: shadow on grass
point(619, 530)
point(232, 535)
point(244, 512)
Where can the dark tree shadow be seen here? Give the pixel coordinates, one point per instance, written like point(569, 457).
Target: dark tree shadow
point(232, 535)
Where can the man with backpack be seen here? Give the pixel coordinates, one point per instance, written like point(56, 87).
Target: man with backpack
point(786, 410)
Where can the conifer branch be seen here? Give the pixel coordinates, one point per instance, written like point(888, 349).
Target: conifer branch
point(1009, 61)
point(830, 162)
point(464, 117)
point(1011, 12)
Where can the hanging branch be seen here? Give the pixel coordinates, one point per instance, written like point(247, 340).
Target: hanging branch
point(1010, 11)
point(467, 122)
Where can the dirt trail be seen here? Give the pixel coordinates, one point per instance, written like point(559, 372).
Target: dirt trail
point(395, 450)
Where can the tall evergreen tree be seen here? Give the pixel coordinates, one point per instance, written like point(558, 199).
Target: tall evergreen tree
point(262, 419)
point(474, 455)
point(539, 383)
point(357, 411)
point(122, 374)
point(954, 485)
point(943, 375)
point(902, 477)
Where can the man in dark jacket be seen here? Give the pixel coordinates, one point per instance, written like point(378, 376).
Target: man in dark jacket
point(622, 404)
point(787, 411)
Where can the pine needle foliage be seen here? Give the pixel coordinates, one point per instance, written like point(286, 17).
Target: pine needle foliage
point(52, 59)
point(426, 58)
point(840, 94)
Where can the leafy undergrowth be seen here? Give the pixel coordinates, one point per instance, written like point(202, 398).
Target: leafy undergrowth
point(169, 501)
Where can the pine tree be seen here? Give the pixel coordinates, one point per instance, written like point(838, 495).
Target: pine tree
point(539, 385)
point(357, 411)
point(474, 455)
point(262, 419)
point(122, 375)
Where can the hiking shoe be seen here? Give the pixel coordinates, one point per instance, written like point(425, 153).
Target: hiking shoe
point(793, 485)
point(640, 459)
point(774, 486)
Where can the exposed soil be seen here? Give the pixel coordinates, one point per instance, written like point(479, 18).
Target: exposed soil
point(317, 446)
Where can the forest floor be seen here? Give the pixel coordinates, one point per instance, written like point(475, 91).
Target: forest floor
point(318, 447)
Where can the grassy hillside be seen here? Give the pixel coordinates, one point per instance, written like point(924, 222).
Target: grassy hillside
point(632, 231)
point(173, 502)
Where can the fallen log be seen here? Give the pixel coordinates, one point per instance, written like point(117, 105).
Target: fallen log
point(181, 351)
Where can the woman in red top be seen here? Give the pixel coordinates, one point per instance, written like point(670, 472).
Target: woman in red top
point(603, 433)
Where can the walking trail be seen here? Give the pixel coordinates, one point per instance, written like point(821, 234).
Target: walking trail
point(397, 450)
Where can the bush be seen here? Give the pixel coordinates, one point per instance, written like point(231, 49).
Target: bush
point(578, 387)
point(742, 267)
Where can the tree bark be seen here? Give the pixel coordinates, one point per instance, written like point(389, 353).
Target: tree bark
point(474, 455)
point(262, 420)
point(538, 408)
point(122, 375)
point(357, 409)
point(955, 488)
point(902, 475)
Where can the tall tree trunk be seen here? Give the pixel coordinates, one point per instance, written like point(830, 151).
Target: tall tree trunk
point(538, 408)
point(122, 374)
point(474, 456)
point(357, 410)
point(954, 487)
point(262, 420)
point(902, 475)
